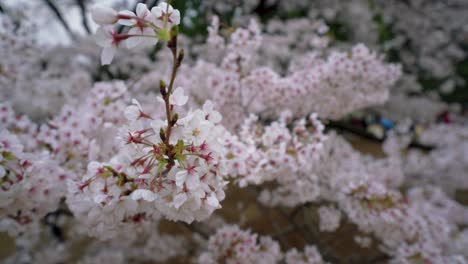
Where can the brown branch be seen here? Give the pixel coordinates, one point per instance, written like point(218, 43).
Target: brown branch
point(84, 20)
point(53, 7)
point(172, 45)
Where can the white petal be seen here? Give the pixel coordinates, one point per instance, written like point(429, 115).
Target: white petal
point(178, 97)
point(107, 55)
point(93, 167)
point(157, 125)
point(149, 41)
point(142, 194)
point(132, 112)
point(135, 102)
point(215, 117)
point(2, 172)
point(141, 10)
point(103, 15)
point(208, 106)
point(132, 42)
point(213, 201)
point(156, 11)
point(180, 178)
point(127, 22)
point(165, 7)
point(179, 200)
point(175, 17)
point(103, 36)
point(192, 182)
point(160, 99)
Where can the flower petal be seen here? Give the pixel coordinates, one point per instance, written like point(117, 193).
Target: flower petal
point(180, 178)
point(175, 17)
point(141, 10)
point(103, 36)
point(179, 200)
point(134, 41)
point(142, 194)
point(107, 55)
point(127, 22)
point(213, 201)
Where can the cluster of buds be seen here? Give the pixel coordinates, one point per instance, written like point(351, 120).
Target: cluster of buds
point(145, 27)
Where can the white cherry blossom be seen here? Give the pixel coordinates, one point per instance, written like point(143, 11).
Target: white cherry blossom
point(178, 97)
point(166, 15)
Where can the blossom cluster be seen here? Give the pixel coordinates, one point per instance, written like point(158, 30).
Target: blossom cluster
point(146, 179)
point(274, 153)
point(144, 27)
point(230, 244)
point(331, 86)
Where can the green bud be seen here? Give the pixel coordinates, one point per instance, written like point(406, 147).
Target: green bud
point(180, 57)
point(162, 135)
point(162, 88)
point(107, 101)
point(164, 35)
point(175, 118)
point(8, 155)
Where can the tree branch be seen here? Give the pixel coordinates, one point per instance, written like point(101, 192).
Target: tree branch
point(84, 20)
point(53, 7)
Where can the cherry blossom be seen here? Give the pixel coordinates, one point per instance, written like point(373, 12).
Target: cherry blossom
point(166, 16)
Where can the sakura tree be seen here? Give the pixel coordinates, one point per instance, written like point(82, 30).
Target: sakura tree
point(266, 137)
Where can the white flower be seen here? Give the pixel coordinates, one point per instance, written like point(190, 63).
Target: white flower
point(2, 172)
point(211, 114)
point(191, 180)
point(105, 37)
point(139, 26)
point(133, 111)
point(180, 177)
point(178, 97)
point(103, 15)
point(141, 194)
point(164, 11)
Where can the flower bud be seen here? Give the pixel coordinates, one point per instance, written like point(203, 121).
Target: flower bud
point(174, 120)
point(162, 88)
point(162, 134)
point(180, 58)
point(174, 31)
point(104, 15)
